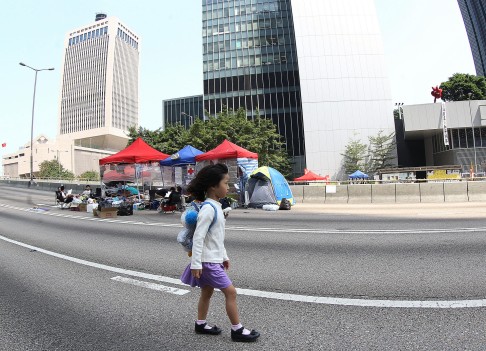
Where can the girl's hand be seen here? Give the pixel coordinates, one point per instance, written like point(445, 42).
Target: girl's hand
point(196, 273)
point(226, 265)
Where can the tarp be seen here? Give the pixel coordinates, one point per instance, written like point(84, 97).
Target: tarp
point(185, 156)
point(310, 176)
point(358, 175)
point(226, 150)
point(266, 185)
point(137, 152)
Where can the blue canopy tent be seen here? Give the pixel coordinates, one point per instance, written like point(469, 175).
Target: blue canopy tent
point(185, 156)
point(358, 175)
point(184, 159)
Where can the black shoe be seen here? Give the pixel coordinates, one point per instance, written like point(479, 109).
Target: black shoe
point(238, 335)
point(199, 328)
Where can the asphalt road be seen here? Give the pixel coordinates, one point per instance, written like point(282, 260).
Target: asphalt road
point(65, 298)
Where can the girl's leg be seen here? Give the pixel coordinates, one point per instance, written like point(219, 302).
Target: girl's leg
point(204, 299)
point(231, 306)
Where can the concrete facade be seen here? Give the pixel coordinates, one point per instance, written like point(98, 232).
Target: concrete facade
point(465, 131)
point(315, 67)
point(344, 83)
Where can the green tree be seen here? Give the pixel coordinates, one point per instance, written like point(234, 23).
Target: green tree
point(381, 151)
point(458, 87)
point(53, 169)
point(90, 175)
point(354, 156)
point(258, 135)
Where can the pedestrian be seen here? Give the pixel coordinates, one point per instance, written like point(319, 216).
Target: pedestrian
point(209, 259)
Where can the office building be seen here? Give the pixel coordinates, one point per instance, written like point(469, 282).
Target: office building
point(452, 133)
point(99, 92)
point(315, 67)
point(182, 110)
point(474, 15)
point(98, 99)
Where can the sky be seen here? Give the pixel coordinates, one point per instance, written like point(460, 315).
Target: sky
point(425, 42)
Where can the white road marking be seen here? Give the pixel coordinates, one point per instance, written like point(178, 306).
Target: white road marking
point(152, 286)
point(267, 229)
point(273, 295)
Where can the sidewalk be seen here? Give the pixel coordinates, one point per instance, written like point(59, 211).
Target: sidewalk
point(411, 210)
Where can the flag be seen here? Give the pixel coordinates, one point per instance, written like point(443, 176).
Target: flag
point(4, 144)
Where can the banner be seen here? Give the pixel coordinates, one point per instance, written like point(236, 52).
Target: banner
point(444, 125)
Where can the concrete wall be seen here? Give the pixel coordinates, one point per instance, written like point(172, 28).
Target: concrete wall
point(455, 192)
point(298, 193)
point(407, 193)
point(383, 193)
point(359, 193)
point(314, 194)
point(431, 192)
point(352, 193)
point(340, 196)
point(476, 191)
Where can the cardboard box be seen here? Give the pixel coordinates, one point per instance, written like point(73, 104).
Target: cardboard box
point(82, 207)
point(108, 212)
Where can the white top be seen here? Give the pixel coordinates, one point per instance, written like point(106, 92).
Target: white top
point(208, 246)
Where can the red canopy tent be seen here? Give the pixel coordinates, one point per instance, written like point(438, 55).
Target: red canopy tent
point(226, 150)
point(310, 176)
point(137, 152)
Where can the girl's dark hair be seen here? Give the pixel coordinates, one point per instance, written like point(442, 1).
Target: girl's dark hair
point(207, 177)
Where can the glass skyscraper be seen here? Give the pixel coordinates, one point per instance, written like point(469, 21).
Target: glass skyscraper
point(315, 67)
point(250, 61)
point(474, 15)
point(182, 110)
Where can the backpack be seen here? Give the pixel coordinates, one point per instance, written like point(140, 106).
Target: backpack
point(285, 204)
point(125, 209)
point(189, 221)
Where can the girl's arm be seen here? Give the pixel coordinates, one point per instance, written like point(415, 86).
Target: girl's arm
point(204, 220)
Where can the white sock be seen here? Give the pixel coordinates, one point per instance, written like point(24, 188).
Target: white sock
point(202, 321)
point(235, 327)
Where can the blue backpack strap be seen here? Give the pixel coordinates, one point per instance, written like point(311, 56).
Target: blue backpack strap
point(215, 212)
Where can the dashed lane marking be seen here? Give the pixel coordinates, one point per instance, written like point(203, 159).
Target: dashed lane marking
point(149, 285)
point(268, 294)
point(262, 229)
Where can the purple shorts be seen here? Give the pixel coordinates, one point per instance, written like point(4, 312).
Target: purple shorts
point(213, 275)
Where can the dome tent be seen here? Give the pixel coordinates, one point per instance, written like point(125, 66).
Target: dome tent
point(265, 186)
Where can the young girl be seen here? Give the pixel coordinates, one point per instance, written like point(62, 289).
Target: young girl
point(209, 259)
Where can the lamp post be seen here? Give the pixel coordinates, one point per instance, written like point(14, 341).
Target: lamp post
point(474, 138)
point(191, 120)
point(399, 107)
point(32, 124)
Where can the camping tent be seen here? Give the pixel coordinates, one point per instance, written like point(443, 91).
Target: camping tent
point(185, 156)
point(310, 176)
point(358, 175)
point(137, 152)
point(266, 185)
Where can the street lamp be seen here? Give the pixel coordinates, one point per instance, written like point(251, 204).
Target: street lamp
point(474, 138)
point(32, 124)
point(191, 120)
point(399, 107)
